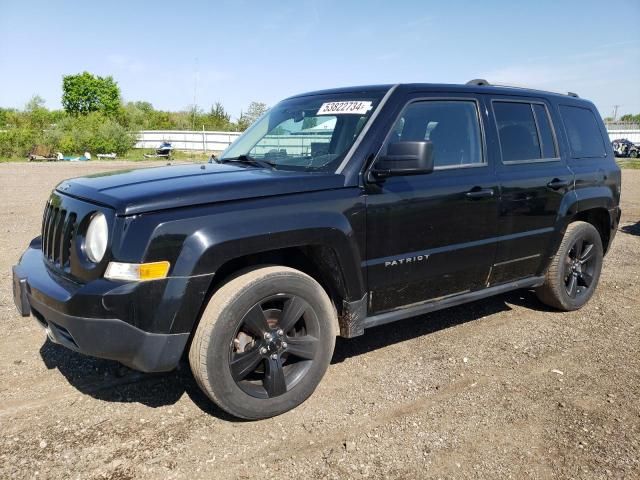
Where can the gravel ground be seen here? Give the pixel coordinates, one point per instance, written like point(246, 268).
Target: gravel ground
point(501, 388)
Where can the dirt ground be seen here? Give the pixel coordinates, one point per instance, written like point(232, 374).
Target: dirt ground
point(501, 388)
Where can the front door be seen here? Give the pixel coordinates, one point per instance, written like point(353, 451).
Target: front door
point(433, 235)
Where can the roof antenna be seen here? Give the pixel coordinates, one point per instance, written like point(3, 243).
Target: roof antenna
point(481, 82)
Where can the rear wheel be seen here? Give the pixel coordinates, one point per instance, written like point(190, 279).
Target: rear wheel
point(633, 154)
point(575, 269)
point(264, 342)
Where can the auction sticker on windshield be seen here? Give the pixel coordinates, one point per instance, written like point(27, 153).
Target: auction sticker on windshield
point(333, 108)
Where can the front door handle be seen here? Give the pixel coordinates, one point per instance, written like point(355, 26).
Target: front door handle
point(557, 184)
point(476, 192)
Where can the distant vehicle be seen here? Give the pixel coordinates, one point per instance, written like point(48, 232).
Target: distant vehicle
point(415, 198)
point(625, 148)
point(163, 151)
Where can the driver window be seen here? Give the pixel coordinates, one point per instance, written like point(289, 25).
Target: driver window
point(452, 126)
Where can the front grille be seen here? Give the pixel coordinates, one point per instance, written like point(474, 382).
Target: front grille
point(64, 221)
point(58, 229)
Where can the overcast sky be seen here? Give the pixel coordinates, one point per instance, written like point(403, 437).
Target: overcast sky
point(238, 51)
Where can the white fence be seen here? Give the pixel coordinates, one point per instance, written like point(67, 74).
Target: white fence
point(631, 135)
point(218, 141)
point(630, 131)
point(187, 140)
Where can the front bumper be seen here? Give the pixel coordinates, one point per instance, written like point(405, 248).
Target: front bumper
point(55, 302)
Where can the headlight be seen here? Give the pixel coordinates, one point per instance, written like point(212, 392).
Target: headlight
point(95, 242)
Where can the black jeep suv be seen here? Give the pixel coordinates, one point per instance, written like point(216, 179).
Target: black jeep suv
point(337, 211)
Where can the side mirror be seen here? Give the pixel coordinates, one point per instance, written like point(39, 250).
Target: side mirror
point(405, 158)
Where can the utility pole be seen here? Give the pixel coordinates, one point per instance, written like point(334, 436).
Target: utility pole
point(195, 88)
point(615, 112)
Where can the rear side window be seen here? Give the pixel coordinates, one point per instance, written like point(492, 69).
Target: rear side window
point(452, 126)
point(584, 135)
point(525, 131)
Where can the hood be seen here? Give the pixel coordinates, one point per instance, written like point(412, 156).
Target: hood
point(149, 189)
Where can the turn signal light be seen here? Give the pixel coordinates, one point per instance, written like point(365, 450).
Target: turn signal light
point(137, 271)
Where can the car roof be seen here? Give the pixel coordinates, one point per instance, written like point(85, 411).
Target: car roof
point(444, 87)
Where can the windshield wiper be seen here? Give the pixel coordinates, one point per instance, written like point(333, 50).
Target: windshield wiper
point(247, 159)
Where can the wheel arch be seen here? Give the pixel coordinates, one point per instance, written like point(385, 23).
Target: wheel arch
point(593, 205)
point(600, 218)
point(320, 262)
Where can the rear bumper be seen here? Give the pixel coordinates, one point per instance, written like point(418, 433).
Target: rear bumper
point(54, 301)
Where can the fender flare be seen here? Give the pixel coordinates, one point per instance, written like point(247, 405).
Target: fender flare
point(576, 202)
point(207, 248)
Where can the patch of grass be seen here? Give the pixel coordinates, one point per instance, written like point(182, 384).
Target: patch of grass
point(633, 163)
point(13, 159)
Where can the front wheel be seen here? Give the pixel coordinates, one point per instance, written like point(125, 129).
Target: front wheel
point(574, 270)
point(264, 342)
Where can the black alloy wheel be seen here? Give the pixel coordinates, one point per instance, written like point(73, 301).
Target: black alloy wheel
point(274, 346)
point(580, 265)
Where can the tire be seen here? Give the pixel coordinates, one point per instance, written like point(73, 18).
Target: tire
point(264, 342)
point(633, 154)
point(575, 269)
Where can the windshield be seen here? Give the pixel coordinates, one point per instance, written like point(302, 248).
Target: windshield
point(311, 133)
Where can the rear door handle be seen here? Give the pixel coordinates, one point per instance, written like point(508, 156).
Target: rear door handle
point(479, 193)
point(557, 184)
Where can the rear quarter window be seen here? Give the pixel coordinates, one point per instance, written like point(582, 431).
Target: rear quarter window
point(583, 132)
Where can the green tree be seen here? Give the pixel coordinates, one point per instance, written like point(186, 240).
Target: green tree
point(255, 110)
point(136, 115)
point(146, 107)
point(218, 118)
point(38, 116)
point(6, 117)
point(630, 118)
point(84, 93)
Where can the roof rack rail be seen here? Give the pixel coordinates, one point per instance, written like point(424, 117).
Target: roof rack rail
point(481, 82)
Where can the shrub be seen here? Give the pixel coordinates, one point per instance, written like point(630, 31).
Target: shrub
point(17, 142)
point(112, 137)
point(94, 132)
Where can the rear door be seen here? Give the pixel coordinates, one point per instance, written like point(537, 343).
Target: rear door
point(433, 235)
point(533, 179)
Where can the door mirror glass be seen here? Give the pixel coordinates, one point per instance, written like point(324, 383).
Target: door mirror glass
point(405, 158)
